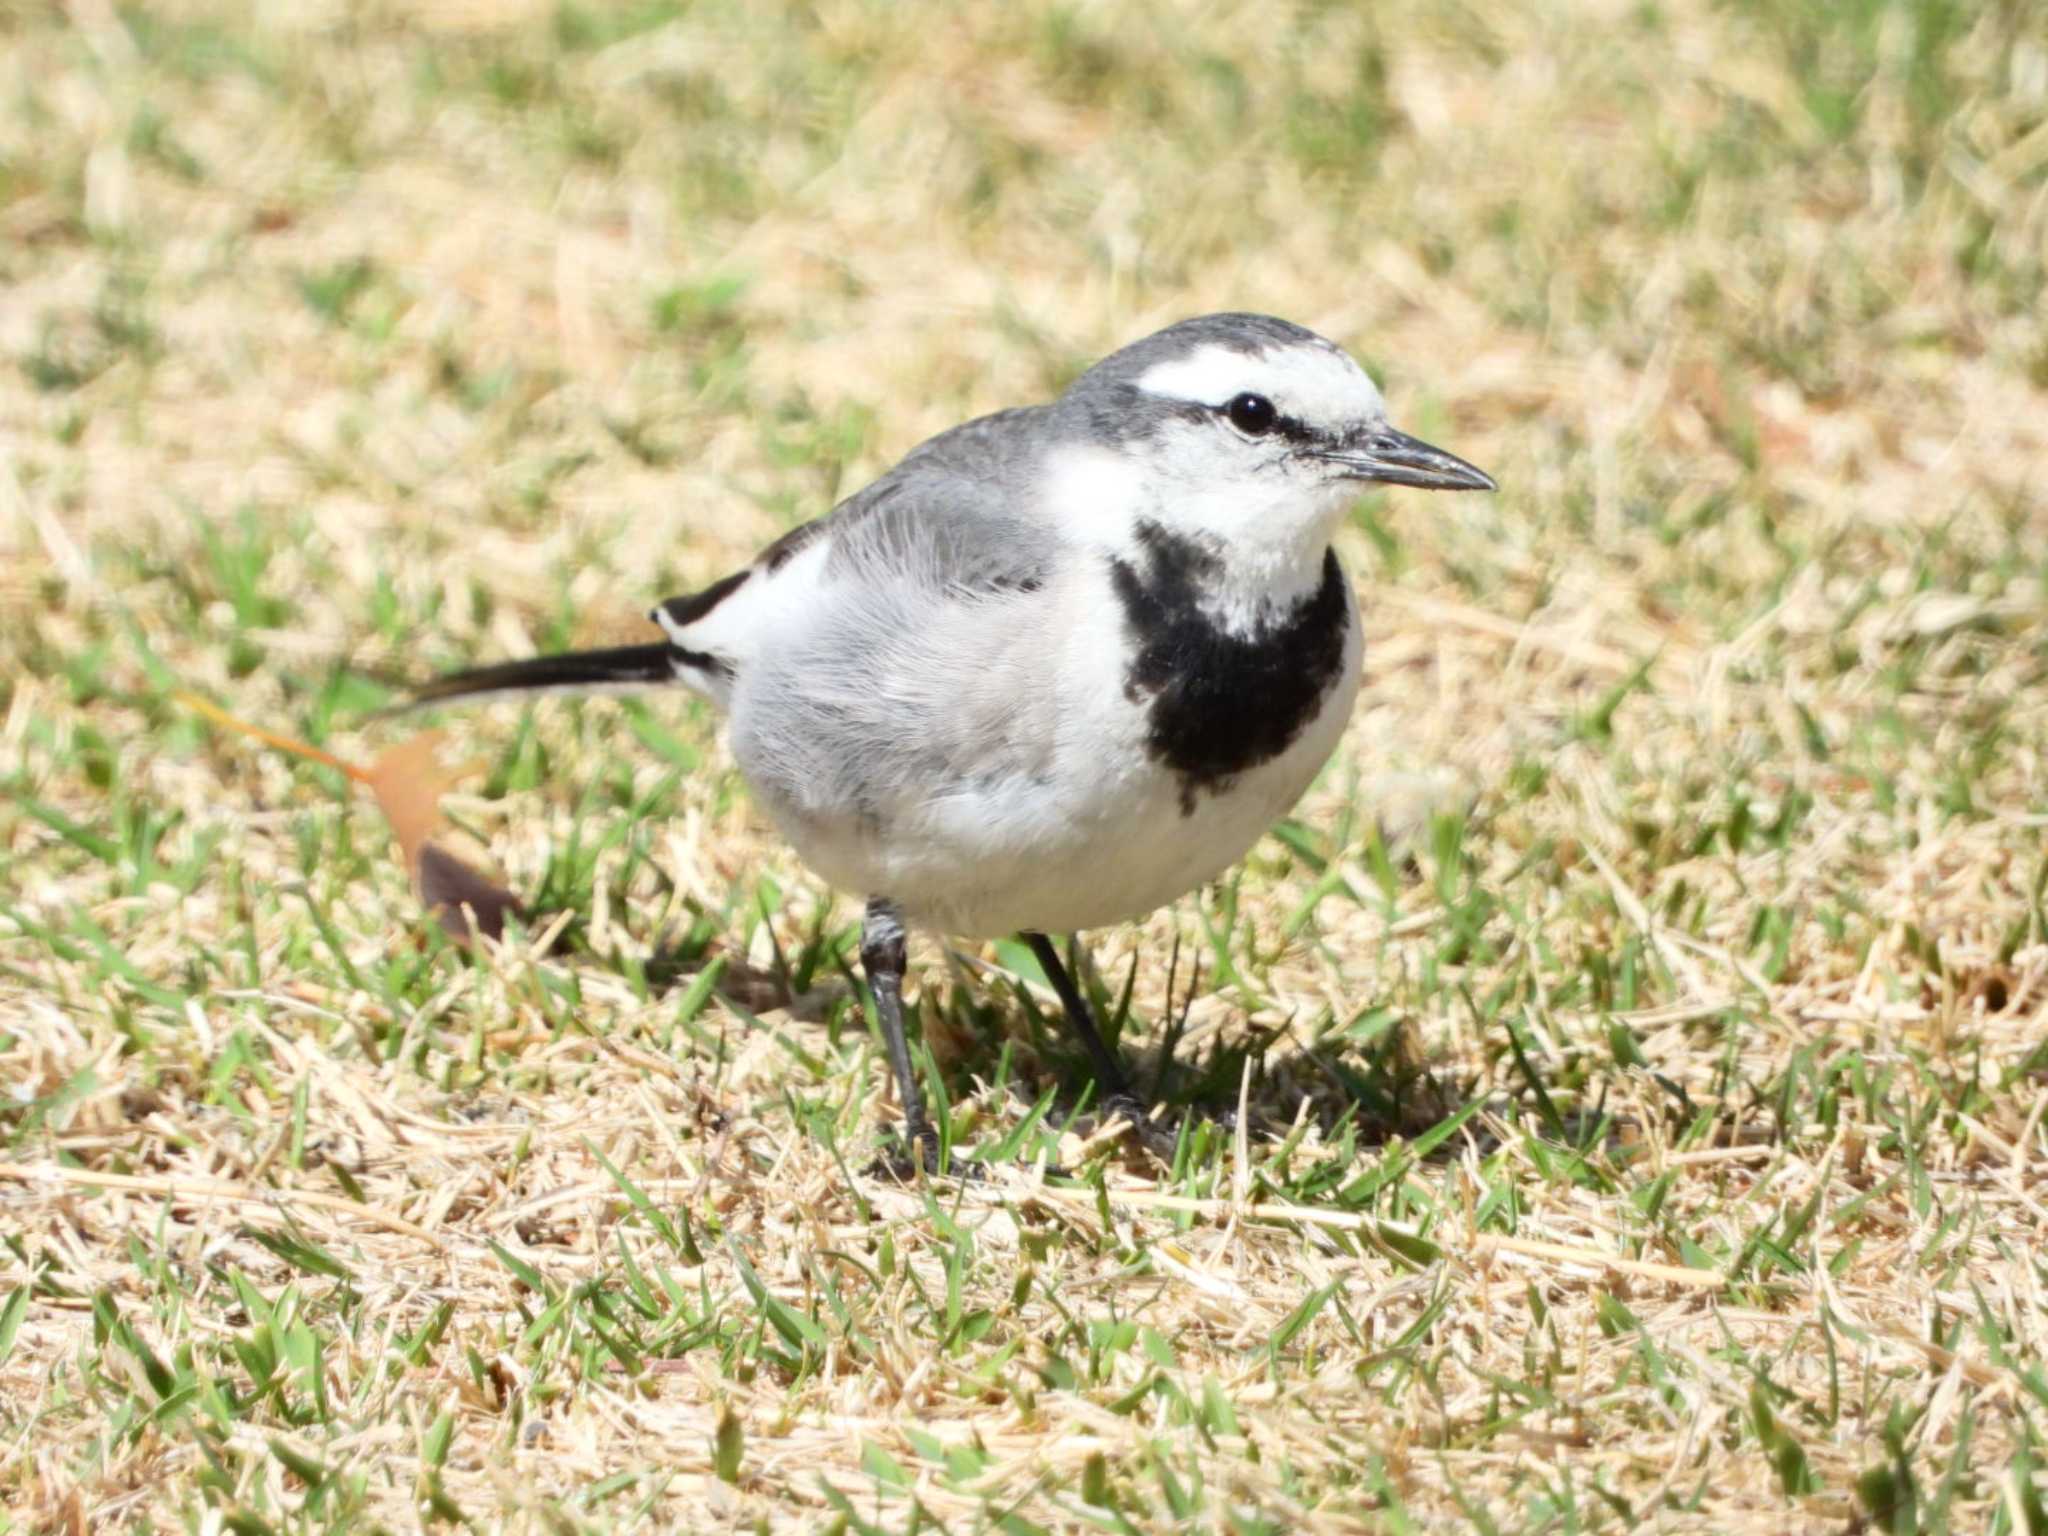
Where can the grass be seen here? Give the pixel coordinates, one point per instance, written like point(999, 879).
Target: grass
point(1640, 1024)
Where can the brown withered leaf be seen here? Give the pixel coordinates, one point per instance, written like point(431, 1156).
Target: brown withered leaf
point(408, 781)
point(453, 891)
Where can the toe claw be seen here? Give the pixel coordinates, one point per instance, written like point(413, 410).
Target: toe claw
point(1155, 1138)
point(908, 1159)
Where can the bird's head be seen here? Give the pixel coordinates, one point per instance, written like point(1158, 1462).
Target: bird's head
point(1246, 428)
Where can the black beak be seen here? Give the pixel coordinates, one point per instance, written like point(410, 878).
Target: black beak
point(1395, 458)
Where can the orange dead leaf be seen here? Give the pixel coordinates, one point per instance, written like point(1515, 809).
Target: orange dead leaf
point(408, 781)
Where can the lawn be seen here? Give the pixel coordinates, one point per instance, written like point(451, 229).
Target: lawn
point(1638, 1030)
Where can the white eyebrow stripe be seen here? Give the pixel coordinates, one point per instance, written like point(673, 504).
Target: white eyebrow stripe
point(1321, 387)
point(1210, 375)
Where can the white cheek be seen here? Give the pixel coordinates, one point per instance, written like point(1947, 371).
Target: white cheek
point(1092, 494)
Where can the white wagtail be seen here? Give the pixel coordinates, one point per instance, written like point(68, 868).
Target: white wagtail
point(1061, 665)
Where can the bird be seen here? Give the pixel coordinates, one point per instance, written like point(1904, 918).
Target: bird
point(1060, 666)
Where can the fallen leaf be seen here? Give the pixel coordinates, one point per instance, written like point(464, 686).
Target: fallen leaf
point(408, 781)
point(454, 892)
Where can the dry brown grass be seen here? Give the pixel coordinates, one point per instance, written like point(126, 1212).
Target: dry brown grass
point(1690, 828)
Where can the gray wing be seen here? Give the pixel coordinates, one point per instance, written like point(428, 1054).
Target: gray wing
point(923, 507)
point(922, 667)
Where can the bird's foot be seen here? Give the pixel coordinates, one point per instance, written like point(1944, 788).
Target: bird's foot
point(919, 1155)
point(1157, 1138)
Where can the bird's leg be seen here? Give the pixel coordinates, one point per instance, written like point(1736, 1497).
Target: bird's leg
point(884, 953)
point(1110, 1078)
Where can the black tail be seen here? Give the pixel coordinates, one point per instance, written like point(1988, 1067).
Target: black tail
point(620, 666)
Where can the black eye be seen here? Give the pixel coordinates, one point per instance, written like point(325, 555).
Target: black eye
point(1251, 414)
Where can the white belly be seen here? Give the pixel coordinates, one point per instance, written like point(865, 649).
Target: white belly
point(1100, 835)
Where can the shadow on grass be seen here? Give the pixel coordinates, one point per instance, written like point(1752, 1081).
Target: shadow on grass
point(992, 1029)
